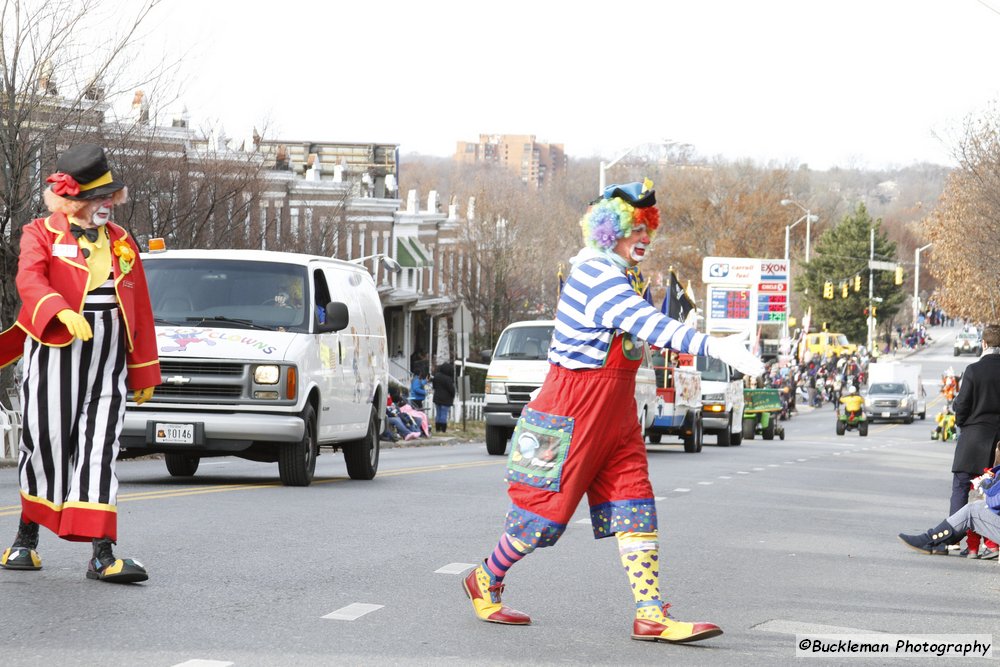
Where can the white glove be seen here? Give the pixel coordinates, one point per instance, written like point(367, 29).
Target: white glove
point(733, 351)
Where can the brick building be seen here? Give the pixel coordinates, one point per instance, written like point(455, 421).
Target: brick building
point(535, 163)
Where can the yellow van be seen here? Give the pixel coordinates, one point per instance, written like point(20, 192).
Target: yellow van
point(823, 343)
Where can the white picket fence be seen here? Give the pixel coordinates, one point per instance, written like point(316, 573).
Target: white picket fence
point(473, 409)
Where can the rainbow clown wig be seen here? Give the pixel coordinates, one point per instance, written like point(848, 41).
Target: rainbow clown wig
point(621, 208)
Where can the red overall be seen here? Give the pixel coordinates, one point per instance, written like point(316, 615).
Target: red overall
point(604, 454)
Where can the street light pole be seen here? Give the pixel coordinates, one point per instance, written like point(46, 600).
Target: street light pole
point(607, 165)
point(809, 218)
point(916, 282)
point(871, 293)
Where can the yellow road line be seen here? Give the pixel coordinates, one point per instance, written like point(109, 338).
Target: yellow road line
point(12, 510)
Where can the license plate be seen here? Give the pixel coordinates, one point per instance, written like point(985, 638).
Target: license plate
point(173, 434)
point(886, 414)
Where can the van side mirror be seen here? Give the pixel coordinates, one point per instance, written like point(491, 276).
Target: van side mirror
point(735, 374)
point(487, 355)
point(337, 318)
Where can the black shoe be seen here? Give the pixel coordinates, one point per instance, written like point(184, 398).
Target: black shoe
point(934, 540)
point(105, 567)
point(22, 555)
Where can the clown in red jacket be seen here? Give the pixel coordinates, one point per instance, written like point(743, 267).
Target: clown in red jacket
point(86, 335)
point(580, 435)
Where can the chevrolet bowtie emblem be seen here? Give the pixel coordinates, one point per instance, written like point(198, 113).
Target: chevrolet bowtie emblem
point(177, 379)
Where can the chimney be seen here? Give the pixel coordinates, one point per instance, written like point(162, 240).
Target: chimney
point(411, 201)
point(432, 201)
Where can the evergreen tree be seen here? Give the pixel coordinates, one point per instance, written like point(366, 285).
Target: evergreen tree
point(841, 258)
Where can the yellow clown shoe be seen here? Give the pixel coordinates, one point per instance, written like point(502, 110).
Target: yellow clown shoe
point(672, 631)
point(22, 555)
point(484, 591)
point(20, 558)
point(105, 567)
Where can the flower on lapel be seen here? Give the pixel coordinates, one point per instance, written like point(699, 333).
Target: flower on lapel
point(126, 256)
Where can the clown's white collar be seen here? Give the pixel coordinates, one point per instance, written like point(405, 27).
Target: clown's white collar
point(589, 253)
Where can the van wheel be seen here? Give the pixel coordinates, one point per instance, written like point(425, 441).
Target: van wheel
point(182, 465)
point(693, 442)
point(725, 435)
point(496, 439)
point(361, 456)
point(297, 460)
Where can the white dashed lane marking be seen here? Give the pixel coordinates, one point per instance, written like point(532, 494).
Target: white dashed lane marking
point(353, 612)
point(724, 477)
point(197, 662)
point(681, 490)
point(458, 568)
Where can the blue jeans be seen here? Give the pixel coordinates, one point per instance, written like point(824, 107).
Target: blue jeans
point(441, 413)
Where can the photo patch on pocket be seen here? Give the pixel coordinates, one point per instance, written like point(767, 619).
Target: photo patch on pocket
point(538, 449)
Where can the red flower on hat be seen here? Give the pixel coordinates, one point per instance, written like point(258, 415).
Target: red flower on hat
point(63, 184)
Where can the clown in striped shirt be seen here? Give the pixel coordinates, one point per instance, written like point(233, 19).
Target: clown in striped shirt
point(580, 435)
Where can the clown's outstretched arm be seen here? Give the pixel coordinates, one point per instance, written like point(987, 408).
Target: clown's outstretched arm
point(618, 306)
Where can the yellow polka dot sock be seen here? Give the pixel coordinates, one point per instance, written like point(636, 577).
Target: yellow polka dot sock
point(640, 554)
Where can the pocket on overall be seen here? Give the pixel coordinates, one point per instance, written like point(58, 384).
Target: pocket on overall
point(538, 449)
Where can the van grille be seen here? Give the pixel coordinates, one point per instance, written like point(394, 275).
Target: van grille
point(204, 382)
point(885, 403)
point(520, 393)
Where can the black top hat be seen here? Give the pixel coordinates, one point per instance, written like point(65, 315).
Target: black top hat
point(82, 172)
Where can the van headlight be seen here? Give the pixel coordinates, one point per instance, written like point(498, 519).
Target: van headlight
point(493, 387)
point(269, 374)
point(905, 401)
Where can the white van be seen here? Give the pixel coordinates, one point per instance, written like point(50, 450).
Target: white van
point(518, 367)
point(264, 355)
point(722, 400)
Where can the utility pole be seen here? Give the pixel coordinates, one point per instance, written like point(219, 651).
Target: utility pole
point(871, 293)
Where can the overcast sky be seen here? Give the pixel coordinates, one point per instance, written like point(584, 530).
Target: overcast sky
point(863, 83)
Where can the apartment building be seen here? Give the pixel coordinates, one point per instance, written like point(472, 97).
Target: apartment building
point(536, 164)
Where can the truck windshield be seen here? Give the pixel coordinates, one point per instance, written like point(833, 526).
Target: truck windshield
point(842, 340)
point(711, 369)
point(524, 343)
point(228, 293)
point(887, 388)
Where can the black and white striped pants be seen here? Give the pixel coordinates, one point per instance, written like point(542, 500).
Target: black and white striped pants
point(73, 400)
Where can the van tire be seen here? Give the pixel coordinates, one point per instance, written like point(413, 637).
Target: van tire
point(725, 435)
point(297, 460)
point(361, 456)
point(181, 465)
point(693, 442)
point(496, 439)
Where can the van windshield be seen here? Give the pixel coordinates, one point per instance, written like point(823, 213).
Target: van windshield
point(711, 369)
point(842, 340)
point(228, 293)
point(524, 343)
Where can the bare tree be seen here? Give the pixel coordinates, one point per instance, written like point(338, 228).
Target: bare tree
point(55, 83)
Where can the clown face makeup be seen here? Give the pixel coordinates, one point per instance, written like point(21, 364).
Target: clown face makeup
point(632, 248)
point(102, 213)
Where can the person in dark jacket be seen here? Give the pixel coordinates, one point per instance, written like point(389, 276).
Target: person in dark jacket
point(977, 413)
point(443, 384)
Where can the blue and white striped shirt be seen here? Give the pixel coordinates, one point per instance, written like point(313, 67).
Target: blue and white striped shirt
point(598, 302)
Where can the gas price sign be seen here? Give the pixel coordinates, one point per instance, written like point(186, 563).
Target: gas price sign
point(772, 301)
point(730, 303)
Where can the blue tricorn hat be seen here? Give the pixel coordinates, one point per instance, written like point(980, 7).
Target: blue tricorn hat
point(635, 194)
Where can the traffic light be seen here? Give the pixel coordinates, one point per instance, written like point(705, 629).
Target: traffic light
point(874, 311)
point(828, 290)
point(899, 275)
point(843, 289)
point(857, 283)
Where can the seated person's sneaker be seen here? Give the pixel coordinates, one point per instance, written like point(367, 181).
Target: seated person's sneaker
point(667, 629)
point(105, 567)
point(22, 555)
point(484, 591)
